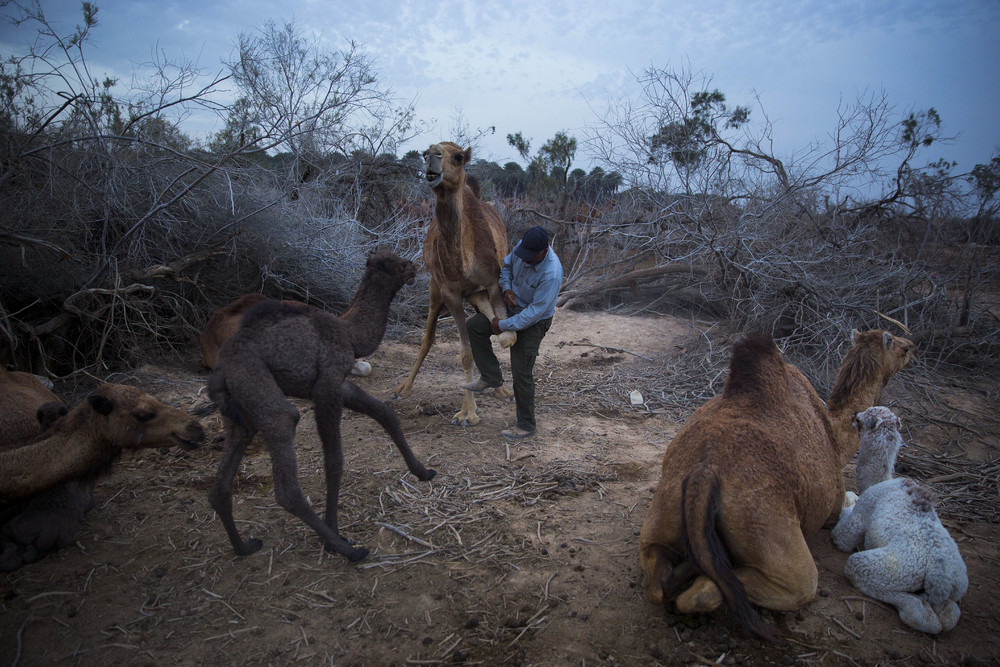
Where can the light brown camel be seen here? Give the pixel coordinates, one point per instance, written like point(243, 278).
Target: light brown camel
point(464, 250)
point(26, 406)
point(284, 349)
point(46, 484)
point(752, 474)
point(226, 320)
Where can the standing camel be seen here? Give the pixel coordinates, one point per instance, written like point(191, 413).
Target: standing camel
point(752, 474)
point(283, 349)
point(226, 320)
point(464, 250)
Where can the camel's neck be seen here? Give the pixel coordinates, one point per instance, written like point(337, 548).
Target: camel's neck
point(71, 451)
point(843, 407)
point(367, 317)
point(455, 237)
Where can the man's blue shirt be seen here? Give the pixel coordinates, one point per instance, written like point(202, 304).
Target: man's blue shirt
point(535, 286)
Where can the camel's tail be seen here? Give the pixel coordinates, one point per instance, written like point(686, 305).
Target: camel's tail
point(219, 393)
point(704, 548)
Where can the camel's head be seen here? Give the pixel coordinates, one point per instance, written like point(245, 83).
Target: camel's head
point(444, 165)
point(399, 271)
point(894, 353)
point(131, 419)
point(875, 418)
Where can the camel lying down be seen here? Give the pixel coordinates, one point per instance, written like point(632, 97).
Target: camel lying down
point(46, 484)
point(751, 475)
point(26, 404)
point(296, 350)
point(908, 559)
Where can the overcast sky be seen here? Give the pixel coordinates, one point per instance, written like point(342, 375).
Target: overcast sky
point(541, 66)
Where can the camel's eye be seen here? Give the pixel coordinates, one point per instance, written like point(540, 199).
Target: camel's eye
point(144, 416)
point(457, 159)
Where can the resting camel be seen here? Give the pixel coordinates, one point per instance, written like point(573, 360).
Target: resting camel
point(226, 320)
point(26, 407)
point(46, 484)
point(908, 558)
point(284, 349)
point(752, 474)
point(464, 250)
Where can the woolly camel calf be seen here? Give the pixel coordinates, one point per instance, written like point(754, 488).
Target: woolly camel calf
point(283, 350)
point(26, 407)
point(909, 559)
point(464, 250)
point(226, 320)
point(46, 484)
point(752, 474)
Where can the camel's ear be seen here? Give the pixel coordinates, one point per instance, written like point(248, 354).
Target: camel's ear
point(467, 155)
point(100, 404)
point(855, 422)
point(887, 340)
point(855, 335)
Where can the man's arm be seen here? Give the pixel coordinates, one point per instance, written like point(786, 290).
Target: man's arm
point(544, 300)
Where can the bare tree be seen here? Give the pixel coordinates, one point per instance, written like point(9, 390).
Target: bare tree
point(118, 233)
point(799, 245)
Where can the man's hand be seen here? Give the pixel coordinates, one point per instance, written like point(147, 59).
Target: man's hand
point(509, 298)
point(496, 325)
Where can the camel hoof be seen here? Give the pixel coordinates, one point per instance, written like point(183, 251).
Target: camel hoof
point(400, 394)
point(251, 546)
point(428, 475)
point(465, 420)
point(361, 368)
point(359, 553)
point(507, 339)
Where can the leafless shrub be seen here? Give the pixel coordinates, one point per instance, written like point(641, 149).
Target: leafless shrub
point(118, 237)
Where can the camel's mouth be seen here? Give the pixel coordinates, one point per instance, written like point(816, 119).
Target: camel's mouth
point(189, 441)
point(434, 178)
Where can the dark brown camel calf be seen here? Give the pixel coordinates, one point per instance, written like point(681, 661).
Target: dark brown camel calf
point(284, 349)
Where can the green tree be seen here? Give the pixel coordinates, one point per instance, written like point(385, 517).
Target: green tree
point(557, 155)
point(520, 144)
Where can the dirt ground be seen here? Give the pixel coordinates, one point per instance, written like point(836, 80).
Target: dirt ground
point(519, 554)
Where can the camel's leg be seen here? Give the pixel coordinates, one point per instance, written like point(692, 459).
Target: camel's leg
point(783, 575)
point(328, 418)
point(357, 399)
point(220, 497)
point(280, 444)
point(876, 572)
point(433, 312)
point(665, 571)
point(467, 415)
point(491, 305)
point(507, 338)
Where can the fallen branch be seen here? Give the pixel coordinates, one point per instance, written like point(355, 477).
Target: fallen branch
point(637, 276)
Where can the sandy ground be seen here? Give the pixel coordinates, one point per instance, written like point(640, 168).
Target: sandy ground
point(521, 554)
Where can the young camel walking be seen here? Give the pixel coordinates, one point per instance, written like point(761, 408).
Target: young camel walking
point(284, 349)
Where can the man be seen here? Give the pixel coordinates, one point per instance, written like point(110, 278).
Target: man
point(530, 278)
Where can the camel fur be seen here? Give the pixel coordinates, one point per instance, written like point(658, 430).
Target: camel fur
point(46, 484)
point(464, 249)
point(284, 349)
point(226, 320)
point(752, 474)
point(908, 559)
point(26, 406)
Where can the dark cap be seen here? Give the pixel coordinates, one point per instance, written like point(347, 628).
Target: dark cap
point(534, 241)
